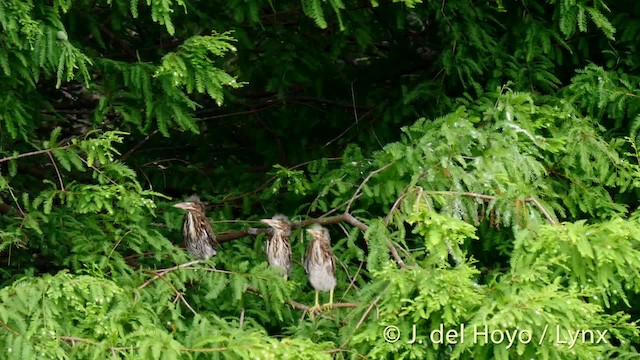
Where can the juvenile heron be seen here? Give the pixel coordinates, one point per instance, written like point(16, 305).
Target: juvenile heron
point(319, 264)
point(196, 229)
point(278, 246)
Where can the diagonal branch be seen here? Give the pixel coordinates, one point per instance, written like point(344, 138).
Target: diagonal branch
point(55, 166)
point(162, 272)
point(542, 209)
point(364, 316)
point(8, 328)
point(366, 179)
point(178, 295)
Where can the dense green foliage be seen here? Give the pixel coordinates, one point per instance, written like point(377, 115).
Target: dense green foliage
point(492, 146)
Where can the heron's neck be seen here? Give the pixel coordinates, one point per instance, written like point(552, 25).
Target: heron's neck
point(191, 223)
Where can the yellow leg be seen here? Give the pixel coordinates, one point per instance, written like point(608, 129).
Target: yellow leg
point(316, 307)
point(329, 305)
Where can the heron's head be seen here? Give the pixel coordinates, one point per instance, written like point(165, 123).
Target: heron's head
point(279, 222)
point(192, 204)
point(318, 232)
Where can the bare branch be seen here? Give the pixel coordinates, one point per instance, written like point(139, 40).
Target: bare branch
point(542, 210)
point(396, 256)
point(55, 166)
point(138, 145)
point(302, 307)
point(73, 340)
point(31, 153)
point(15, 200)
point(5, 326)
point(353, 280)
point(295, 225)
point(178, 294)
point(364, 316)
point(162, 272)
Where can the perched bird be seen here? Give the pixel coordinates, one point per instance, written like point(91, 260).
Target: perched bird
point(319, 264)
point(278, 247)
point(196, 229)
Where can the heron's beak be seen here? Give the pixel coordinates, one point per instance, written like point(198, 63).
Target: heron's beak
point(182, 205)
point(313, 232)
point(269, 222)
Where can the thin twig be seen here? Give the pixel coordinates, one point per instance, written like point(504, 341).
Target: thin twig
point(346, 271)
point(73, 340)
point(31, 153)
point(353, 99)
point(302, 307)
point(226, 272)
point(5, 326)
point(162, 272)
point(353, 281)
point(178, 294)
point(55, 166)
point(138, 145)
point(396, 256)
point(335, 209)
point(387, 219)
point(359, 189)
point(542, 210)
point(13, 196)
point(347, 129)
point(364, 316)
point(295, 225)
point(98, 171)
point(118, 243)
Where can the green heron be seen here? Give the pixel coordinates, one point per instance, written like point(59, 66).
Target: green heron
point(320, 265)
point(278, 247)
point(196, 229)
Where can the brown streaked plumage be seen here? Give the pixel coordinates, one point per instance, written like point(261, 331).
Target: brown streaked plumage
point(278, 246)
point(197, 232)
point(319, 264)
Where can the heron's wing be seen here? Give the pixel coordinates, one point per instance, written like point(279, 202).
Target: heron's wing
point(185, 229)
point(308, 257)
point(326, 248)
point(287, 246)
point(209, 231)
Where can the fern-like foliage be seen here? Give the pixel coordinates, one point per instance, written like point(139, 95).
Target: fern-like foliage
point(106, 321)
point(191, 65)
point(609, 96)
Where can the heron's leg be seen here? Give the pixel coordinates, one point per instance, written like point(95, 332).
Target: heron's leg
point(329, 305)
point(316, 307)
point(331, 297)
